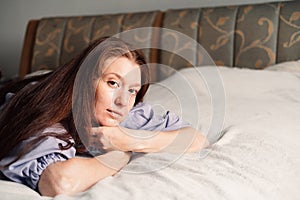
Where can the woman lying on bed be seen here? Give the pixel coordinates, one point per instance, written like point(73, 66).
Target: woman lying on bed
point(92, 104)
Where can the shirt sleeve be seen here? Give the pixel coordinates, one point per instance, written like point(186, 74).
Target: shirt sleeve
point(27, 170)
point(142, 117)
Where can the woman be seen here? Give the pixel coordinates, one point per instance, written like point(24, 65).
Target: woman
point(92, 104)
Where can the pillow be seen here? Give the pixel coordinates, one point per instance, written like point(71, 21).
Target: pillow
point(37, 73)
point(289, 66)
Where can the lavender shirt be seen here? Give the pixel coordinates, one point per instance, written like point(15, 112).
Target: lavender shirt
point(28, 169)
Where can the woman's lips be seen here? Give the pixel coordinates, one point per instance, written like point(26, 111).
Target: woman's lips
point(114, 114)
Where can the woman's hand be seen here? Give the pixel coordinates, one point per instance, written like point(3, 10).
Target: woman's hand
point(116, 138)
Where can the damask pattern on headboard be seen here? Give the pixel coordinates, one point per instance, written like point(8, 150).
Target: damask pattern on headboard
point(289, 32)
point(59, 39)
point(250, 36)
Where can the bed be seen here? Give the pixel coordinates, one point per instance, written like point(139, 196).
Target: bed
point(241, 78)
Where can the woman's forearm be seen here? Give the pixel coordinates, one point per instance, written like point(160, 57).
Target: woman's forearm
point(78, 174)
point(186, 139)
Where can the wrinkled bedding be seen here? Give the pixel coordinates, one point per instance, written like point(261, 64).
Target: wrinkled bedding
point(258, 113)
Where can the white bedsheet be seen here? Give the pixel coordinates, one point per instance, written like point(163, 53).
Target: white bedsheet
point(257, 158)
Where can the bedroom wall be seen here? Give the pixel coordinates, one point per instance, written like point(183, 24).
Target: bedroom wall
point(14, 15)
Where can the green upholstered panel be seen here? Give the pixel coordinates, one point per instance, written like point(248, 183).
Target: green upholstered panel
point(183, 21)
point(251, 36)
point(140, 37)
point(289, 32)
point(77, 36)
point(106, 25)
point(216, 34)
point(48, 43)
point(58, 40)
point(256, 35)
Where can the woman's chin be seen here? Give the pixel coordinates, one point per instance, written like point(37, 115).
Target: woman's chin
point(110, 122)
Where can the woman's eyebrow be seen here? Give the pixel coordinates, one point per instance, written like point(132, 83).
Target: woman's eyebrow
point(136, 85)
point(122, 79)
point(113, 73)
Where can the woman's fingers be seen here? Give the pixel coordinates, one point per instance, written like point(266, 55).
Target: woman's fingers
point(96, 143)
point(96, 131)
point(112, 138)
point(107, 145)
point(100, 138)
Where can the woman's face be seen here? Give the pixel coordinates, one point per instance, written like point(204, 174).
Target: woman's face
point(116, 90)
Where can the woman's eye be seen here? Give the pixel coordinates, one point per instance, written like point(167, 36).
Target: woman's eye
point(133, 91)
point(113, 84)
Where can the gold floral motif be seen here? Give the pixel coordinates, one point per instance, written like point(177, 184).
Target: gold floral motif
point(178, 48)
point(140, 36)
point(246, 10)
point(259, 43)
point(46, 45)
point(222, 21)
point(221, 41)
point(50, 51)
point(193, 25)
point(135, 23)
point(178, 19)
point(182, 14)
point(295, 37)
point(270, 29)
point(219, 63)
point(225, 37)
point(120, 19)
point(180, 23)
point(106, 26)
point(219, 26)
point(48, 40)
point(101, 32)
point(51, 47)
point(186, 22)
point(73, 30)
point(295, 16)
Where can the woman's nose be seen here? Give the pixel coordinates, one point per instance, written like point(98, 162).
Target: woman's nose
point(121, 98)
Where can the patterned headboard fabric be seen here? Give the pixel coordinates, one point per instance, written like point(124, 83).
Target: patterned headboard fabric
point(250, 36)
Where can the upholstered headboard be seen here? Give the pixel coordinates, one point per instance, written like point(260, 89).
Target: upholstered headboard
point(251, 36)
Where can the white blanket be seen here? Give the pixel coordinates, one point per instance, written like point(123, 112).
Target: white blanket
point(257, 158)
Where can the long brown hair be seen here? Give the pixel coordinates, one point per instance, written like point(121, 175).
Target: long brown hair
point(55, 98)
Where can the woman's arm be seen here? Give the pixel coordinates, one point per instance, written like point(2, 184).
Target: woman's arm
point(78, 174)
point(185, 139)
